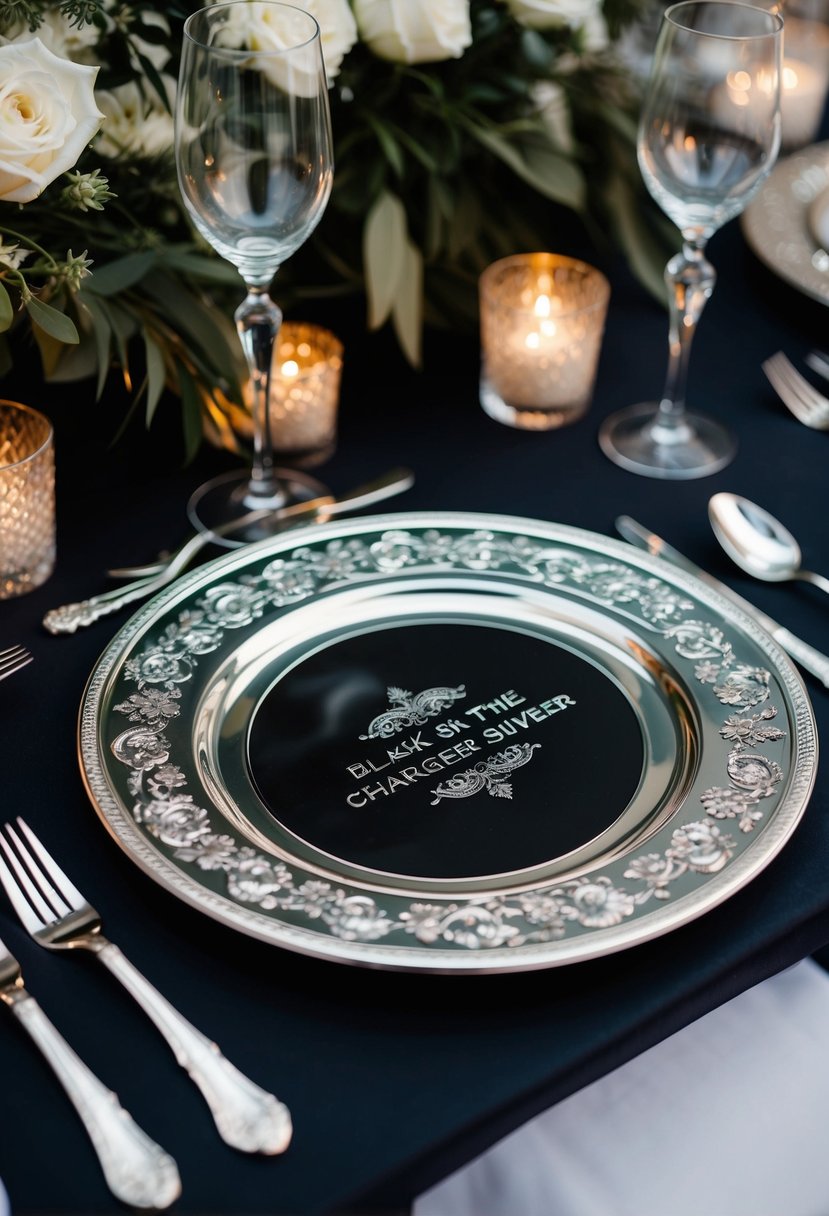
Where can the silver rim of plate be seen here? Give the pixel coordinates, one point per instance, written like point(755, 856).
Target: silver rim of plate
point(448, 742)
point(778, 223)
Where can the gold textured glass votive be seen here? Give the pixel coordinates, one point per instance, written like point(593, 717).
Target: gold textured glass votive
point(27, 499)
point(305, 393)
point(542, 323)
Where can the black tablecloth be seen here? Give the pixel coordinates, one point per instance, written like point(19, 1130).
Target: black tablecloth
point(393, 1079)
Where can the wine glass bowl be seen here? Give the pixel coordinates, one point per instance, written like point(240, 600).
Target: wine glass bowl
point(255, 170)
point(709, 134)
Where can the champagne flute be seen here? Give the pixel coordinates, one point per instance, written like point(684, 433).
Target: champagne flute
point(709, 134)
point(255, 169)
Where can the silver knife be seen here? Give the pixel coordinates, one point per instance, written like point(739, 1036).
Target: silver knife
point(810, 659)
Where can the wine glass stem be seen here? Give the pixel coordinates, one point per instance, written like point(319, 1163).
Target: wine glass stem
point(690, 278)
point(258, 321)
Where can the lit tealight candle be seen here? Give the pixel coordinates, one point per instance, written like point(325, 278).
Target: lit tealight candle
point(305, 392)
point(801, 106)
point(542, 321)
point(802, 99)
point(27, 499)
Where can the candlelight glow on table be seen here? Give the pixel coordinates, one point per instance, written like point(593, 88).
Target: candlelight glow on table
point(27, 499)
point(542, 323)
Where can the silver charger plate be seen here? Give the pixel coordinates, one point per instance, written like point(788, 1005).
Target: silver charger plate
point(447, 742)
point(780, 222)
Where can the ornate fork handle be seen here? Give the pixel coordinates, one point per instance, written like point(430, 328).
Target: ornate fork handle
point(247, 1117)
point(70, 617)
point(137, 1170)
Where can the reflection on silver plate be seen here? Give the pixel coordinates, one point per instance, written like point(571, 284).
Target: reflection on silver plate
point(447, 742)
point(779, 223)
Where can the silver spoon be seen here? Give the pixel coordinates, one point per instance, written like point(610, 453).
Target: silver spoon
point(757, 542)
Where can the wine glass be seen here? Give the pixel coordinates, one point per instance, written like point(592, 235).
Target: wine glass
point(709, 133)
point(255, 169)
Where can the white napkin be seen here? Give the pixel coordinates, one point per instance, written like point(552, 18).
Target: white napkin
point(5, 1210)
point(728, 1117)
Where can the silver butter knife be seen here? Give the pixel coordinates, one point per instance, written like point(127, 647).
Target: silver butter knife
point(807, 656)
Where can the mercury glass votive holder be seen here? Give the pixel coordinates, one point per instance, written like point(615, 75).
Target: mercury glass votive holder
point(305, 394)
point(27, 499)
point(542, 321)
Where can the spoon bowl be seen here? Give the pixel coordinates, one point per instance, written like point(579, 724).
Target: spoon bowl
point(757, 542)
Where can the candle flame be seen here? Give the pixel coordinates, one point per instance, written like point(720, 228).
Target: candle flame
point(790, 77)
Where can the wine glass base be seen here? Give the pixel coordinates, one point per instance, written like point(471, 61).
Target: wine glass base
point(223, 499)
point(633, 439)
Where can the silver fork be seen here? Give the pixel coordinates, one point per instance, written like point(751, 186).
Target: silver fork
point(59, 918)
point(819, 362)
point(12, 659)
point(137, 1170)
point(807, 404)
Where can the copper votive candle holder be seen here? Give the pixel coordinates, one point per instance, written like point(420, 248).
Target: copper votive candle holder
point(542, 323)
point(305, 393)
point(27, 499)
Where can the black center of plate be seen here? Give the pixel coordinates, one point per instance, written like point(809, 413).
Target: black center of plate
point(445, 750)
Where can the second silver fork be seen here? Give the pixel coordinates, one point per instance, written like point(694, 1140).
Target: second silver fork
point(12, 659)
point(800, 397)
point(57, 916)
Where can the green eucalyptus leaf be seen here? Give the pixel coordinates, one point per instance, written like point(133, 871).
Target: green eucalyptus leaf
point(537, 50)
point(124, 328)
point(408, 305)
point(6, 310)
point(422, 155)
point(156, 373)
point(115, 277)
point(50, 350)
point(53, 322)
point(384, 254)
point(539, 164)
point(154, 77)
point(208, 269)
point(74, 363)
point(101, 334)
point(391, 148)
point(213, 336)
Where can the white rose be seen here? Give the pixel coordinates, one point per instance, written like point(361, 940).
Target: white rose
point(338, 30)
point(262, 28)
point(550, 14)
point(135, 123)
point(414, 31)
point(47, 117)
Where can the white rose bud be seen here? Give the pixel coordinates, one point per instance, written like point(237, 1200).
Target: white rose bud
point(338, 31)
point(136, 122)
point(47, 117)
point(552, 14)
point(414, 31)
